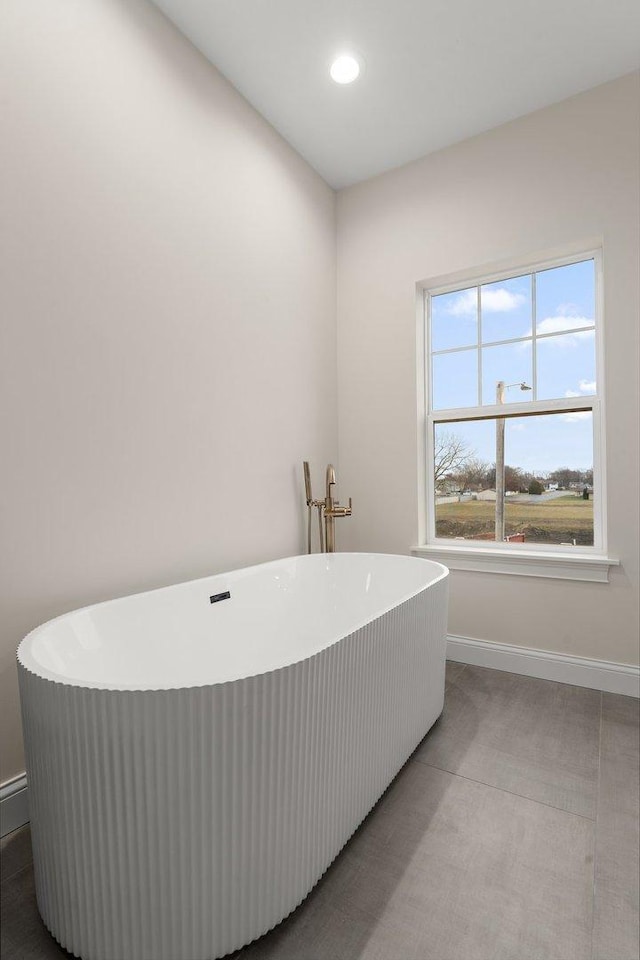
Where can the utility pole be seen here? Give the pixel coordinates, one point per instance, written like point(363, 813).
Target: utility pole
point(500, 386)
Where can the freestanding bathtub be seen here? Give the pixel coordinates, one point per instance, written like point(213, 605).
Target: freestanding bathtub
point(195, 761)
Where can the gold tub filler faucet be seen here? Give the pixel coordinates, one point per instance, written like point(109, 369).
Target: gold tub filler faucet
point(328, 510)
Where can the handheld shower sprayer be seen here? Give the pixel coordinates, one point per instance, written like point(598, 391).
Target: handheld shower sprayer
point(311, 503)
point(307, 482)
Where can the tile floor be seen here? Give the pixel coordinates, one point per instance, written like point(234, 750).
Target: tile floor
point(510, 834)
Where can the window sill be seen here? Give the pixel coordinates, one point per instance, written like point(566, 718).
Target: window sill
point(558, 566)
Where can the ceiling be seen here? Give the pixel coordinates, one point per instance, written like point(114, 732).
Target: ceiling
point(436, 71)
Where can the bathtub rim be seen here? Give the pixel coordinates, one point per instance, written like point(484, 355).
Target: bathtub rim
point(32, 667)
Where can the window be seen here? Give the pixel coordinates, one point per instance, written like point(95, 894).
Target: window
point(512, 390)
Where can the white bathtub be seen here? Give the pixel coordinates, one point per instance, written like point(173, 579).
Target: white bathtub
point(195, 766)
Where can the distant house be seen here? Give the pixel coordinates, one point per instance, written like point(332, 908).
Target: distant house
point(486, 495)
point(550, 487)
point(447, 487)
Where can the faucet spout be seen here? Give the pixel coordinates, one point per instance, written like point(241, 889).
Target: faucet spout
point(331, 479)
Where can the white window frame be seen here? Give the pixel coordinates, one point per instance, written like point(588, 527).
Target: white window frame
point(548, 560)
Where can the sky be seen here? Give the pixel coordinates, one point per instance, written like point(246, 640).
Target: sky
point(565, 300)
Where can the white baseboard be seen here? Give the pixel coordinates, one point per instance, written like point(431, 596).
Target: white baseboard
point(14, 805)
point(580, 671)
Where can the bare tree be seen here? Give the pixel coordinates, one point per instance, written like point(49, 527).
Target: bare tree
point(472, 473)
point(563, 476)
point(514, 478)
point(451, 453)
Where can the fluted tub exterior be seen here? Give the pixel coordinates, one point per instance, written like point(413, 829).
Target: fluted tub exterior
point(181, 807)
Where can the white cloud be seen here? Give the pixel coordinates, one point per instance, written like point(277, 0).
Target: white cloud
point(493, 301)
point(567, 310)
point(464, 305)
point(584, 387)
point(500, 300)
point(564, 324)
point(576, 415)
point(517, 426)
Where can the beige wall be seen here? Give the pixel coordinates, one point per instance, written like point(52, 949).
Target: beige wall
point(168, 326)
point(559, 176)
point(168, 319)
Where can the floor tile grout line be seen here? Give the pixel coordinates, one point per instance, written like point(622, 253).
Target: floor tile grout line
point(15, 873)
point(595, 832)
point(511, 793)
point(28, 860)
point(464, 667)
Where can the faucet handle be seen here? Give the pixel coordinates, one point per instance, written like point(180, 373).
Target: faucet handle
point(339, 511)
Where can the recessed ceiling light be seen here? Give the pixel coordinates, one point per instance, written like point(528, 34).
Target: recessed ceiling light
point(345, 68)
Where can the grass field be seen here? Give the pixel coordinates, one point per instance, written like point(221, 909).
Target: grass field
point(562, 520)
